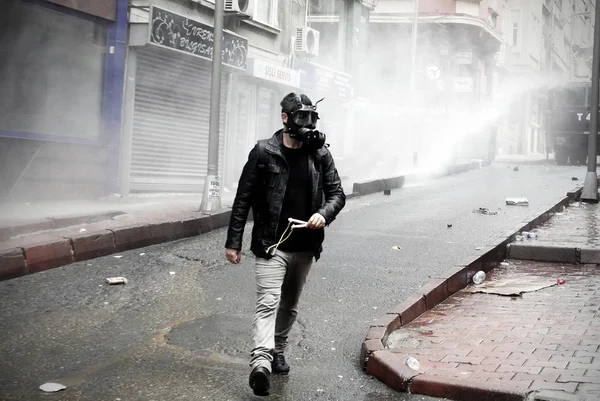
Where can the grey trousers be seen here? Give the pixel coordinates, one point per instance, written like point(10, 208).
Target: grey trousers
point(279, 283)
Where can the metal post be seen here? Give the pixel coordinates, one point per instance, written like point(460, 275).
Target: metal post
point(211, 197)
point(590, 186)
point(413, 47)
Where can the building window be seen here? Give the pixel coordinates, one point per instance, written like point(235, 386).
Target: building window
point(266, 11)
point(516, 19)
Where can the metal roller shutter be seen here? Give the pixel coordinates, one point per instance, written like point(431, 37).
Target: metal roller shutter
point(171, 122)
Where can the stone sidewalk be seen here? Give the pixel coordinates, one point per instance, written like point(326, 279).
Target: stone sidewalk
point(571, 236)
point(513, 343)
point(504, 347)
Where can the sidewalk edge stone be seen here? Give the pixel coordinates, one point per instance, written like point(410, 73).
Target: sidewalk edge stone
point(390, 370)
point(461, 390)
point(12, 263)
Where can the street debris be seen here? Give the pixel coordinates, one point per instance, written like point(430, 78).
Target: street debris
point(116, 280)
point(560, 281)
point(478, 248)
point(516, 169)
point(412, 363)
point(82, 230)
point(52, 387)
point(117, 256)
point(485, 210)
point(396, 248)
point(504, 264)
point(530, 234)
point(142, 254)
point(387, 191)
point(479, 277)
point(172, 273)
point(449, 225)
point(574, 179)
point(514, 286)
point(517, 201)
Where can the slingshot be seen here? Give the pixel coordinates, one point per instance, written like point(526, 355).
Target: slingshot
point(285, 235)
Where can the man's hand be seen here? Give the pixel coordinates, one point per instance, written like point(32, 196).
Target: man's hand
point(316, 221)
point(233, 255)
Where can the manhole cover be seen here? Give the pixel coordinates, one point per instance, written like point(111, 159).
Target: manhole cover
point(230, 335)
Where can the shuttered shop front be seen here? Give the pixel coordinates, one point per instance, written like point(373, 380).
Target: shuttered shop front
point(169, 150)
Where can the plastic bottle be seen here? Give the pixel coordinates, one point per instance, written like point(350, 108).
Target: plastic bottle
point(412, 363)
point(479, 277)
point(529, 234)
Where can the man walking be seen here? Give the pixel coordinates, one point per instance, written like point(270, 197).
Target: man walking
point(291, 175)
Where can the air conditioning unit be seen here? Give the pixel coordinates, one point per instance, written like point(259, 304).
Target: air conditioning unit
point(241, 7)
point(307, 41)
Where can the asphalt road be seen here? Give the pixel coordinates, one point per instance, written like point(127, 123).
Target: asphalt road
point(181, 328)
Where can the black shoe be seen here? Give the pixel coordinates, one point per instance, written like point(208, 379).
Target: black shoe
point(279, 366)
point(259, 381)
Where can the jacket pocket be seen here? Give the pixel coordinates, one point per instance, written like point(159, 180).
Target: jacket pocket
point(271, 175)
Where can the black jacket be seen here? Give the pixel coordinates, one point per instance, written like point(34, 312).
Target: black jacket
point(262, 187)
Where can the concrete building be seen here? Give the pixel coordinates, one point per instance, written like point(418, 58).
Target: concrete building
point(113, 96)
point(269, 51)
point(548, 43)
point(60, 104)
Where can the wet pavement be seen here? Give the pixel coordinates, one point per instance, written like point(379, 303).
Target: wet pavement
point(186, 335)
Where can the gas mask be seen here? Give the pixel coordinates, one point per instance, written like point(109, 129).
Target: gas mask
point(302, 123)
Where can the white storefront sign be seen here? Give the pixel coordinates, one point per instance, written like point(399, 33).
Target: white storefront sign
point(275, 73)
point(463, 84)
point(463, 57)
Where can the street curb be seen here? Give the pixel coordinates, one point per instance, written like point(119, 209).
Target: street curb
point(390, 370)
point(526, 162)
point(58, 251)
point(53, 223)
point(396, 182)
point(554, 253)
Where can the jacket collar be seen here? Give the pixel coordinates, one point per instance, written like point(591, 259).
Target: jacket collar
point(275, 142)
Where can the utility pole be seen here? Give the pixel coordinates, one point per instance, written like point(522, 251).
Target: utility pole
point(590, 186)
point(211, 196)
point(413, 47)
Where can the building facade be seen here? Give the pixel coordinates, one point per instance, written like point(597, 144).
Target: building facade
point(167, 97)
point(62, 80)
point(113, 96)
point(548, 44)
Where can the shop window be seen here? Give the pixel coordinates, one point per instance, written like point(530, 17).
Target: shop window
point(267, 115)
point(52, 77)
point(266, 11)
